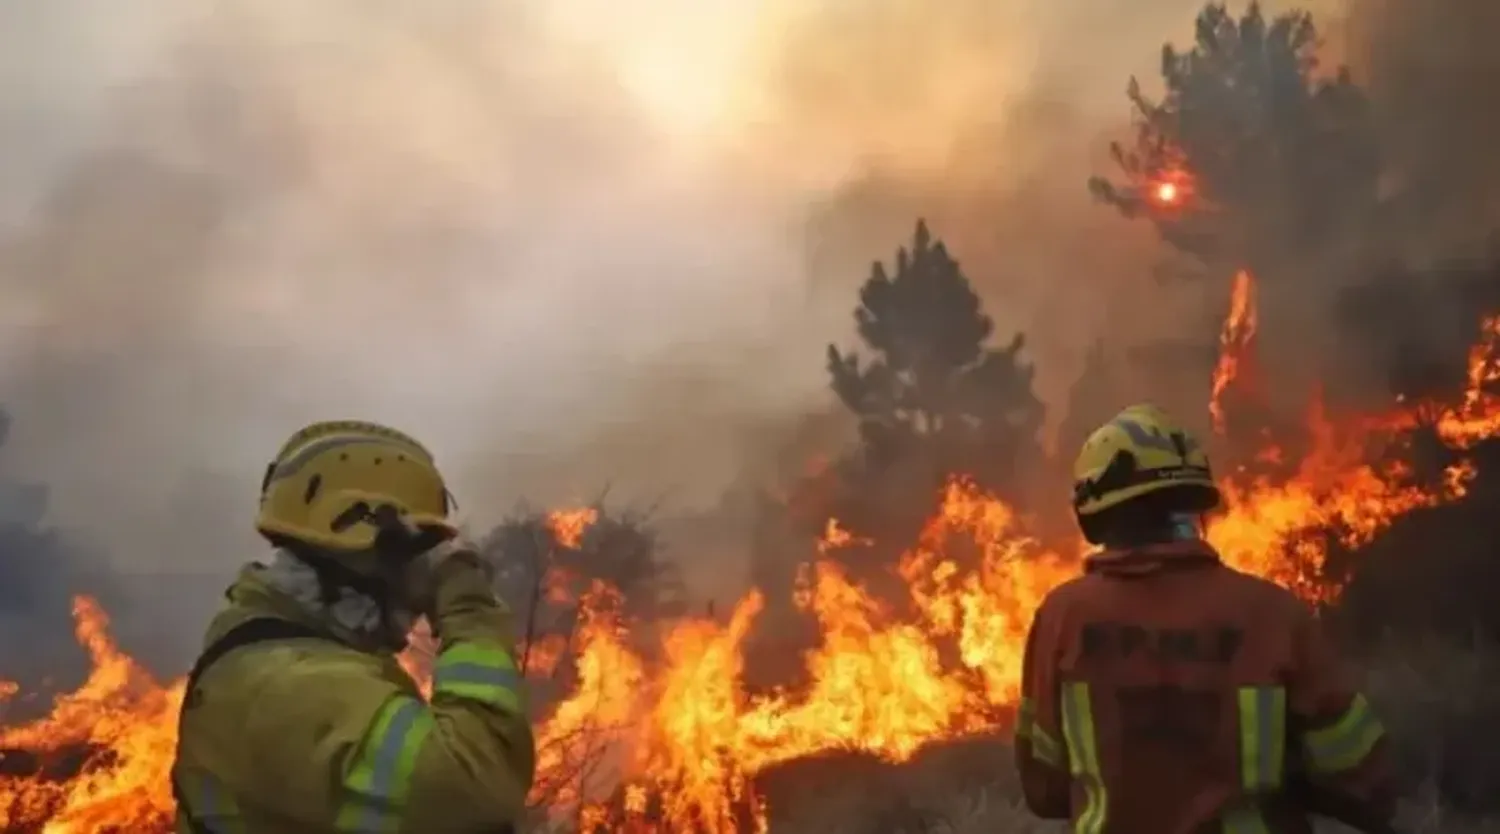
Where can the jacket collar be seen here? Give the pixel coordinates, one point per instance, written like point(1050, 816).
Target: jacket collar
point(287, 589)
point(1152, 559)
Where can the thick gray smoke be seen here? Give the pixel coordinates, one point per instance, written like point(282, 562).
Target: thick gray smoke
point(567, 243)
point(224, 223)
point(1435, 75)
point(471, 222)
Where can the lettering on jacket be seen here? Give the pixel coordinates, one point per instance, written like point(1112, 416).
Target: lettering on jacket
point(1127, 641)
point(1165, 714)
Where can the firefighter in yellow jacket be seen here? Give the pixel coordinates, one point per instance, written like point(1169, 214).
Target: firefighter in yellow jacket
point(298, 717)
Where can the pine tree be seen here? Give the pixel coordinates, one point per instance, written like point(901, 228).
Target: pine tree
point(929, 386)
point(1252, 156)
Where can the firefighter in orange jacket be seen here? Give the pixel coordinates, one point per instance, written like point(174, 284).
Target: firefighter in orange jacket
point(1166, 693)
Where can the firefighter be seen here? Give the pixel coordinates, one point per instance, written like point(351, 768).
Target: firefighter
point(298, 717)
point(1167, 693)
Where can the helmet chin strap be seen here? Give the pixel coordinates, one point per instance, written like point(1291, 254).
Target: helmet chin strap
point(1122, 531)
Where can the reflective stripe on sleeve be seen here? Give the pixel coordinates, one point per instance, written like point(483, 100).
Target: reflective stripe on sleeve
point(1262, 720)
point(380, 779)
point(1083, 756)
point(1245, 821)
point(1262, 737)
point(1043, 746)
point(479, 673)
point(1345, 743)
point(207, 806)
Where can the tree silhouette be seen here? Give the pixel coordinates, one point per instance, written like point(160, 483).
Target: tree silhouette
point(1252, 157)
point(1413, 327)
point(930, 394)
point(542, 573)
point(40, 571)
point(1097, 394)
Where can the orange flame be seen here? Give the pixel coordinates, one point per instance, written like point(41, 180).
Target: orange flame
point(568, 526)
point(1170, 189)
point(671, 740)
point(119, 729)
point(1236, 344)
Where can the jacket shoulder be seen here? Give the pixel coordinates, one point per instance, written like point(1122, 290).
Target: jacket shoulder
point(309, 671)
point(1266, 594)
point(297, 692)
point(1066, 594)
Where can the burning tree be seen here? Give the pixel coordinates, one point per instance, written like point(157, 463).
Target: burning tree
point(1252, 157)
point(547, 559)
point(576, 578)
point(931, 395)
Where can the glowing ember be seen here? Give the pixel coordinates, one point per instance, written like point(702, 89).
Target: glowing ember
point(671, 742)
point(1170, 189)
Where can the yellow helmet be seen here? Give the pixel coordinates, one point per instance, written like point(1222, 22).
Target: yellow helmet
point(1141, 451)
point(334, 486)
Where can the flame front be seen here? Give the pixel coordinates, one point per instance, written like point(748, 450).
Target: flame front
point(1236, 344)
point(101, 758)
point(674, 741)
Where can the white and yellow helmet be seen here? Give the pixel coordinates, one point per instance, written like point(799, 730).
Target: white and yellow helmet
point(333, 482)
point(1138, 452)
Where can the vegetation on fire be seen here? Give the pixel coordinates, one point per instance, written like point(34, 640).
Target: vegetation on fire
point(933, 397)
point(1277, 158)
point(645, 720)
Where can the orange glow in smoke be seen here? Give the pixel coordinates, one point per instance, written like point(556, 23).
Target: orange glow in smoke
point(671, 739)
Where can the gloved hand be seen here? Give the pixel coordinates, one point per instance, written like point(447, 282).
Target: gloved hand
point(448, 581)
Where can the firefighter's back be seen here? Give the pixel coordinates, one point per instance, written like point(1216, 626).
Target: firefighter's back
point(1180, 662)
point(1161, 690)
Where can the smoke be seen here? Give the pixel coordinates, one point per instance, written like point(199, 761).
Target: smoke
point(224, 223)
point(984, 118)
point(567, 243)
point(1435, 80)
point(564, 245)
point(1405, 323)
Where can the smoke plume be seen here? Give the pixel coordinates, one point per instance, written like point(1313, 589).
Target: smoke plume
point(562, 244)
point(567, 243)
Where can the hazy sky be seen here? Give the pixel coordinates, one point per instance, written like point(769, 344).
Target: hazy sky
point(565, 242)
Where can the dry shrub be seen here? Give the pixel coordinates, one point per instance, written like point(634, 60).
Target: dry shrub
point(966, 787)
point(1440, 701)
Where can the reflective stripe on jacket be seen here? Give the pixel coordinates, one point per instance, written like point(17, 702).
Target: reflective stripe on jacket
point(316, 736)
point(1164, 693)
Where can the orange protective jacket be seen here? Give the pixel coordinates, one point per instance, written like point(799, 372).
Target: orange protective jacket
point(1166, 693)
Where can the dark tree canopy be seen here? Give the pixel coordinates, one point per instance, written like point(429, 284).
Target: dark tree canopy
point(1268, 158)
point(542, 575)
point(1413, 328)
point(928, 383)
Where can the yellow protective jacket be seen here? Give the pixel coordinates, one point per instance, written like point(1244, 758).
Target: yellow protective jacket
point(316, 734)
